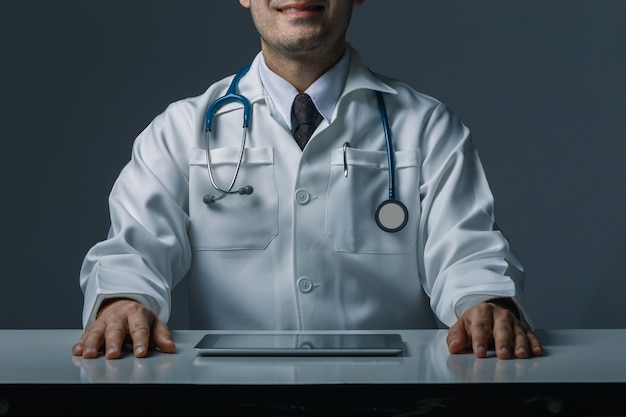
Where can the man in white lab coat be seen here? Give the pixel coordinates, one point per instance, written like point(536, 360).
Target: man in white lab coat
point(301, 249)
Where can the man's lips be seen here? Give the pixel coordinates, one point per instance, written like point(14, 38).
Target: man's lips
point(300, 8)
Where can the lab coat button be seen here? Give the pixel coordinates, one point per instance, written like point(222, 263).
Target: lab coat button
point(302, 196)
point(305, 285)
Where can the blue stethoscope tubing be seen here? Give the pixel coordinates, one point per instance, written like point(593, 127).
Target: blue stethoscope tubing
point(231, 96)
point(391, 215)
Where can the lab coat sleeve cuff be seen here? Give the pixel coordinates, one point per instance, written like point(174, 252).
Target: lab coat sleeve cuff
point(103, 282)
point(469, 301)
point(90, 315)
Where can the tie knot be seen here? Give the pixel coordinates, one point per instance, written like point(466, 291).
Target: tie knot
point(304, 109)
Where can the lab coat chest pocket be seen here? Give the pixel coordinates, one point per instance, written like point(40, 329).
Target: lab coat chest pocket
point(236, 222)
point(353, 199)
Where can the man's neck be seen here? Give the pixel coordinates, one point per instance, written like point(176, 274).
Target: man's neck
point(301, 70)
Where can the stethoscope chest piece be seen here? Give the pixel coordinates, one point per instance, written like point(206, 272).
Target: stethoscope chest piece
point(391, 216)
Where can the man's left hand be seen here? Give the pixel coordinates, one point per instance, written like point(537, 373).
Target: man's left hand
point(494, 324)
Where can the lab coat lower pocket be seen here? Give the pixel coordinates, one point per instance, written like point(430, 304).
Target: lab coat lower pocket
point(353, 199)
point(235, 222)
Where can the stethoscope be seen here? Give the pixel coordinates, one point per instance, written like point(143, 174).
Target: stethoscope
point(391, 215)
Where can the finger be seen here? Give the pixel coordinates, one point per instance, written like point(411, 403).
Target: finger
point(480, 335)
point(521, 344)
point(114, 337)
point(504, 334)
point(139, 329)
point(90, 342)
point(481, 329)
point(162, 338)
point(536, 348)
point(77, 349)
point(457, 339)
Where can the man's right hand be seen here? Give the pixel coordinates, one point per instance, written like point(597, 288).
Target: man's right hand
point(120, 321)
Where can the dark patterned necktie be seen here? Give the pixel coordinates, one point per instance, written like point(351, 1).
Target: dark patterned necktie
point(304, 119)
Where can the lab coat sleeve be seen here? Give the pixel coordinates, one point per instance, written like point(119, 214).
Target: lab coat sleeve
point(465, 257)
point(147, 249)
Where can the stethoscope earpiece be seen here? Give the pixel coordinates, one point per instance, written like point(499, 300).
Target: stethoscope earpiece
point(246, 190)
point(210, 199)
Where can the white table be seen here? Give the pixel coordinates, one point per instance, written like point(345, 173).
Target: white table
point(582, 373)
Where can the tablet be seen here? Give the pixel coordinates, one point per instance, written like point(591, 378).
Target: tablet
point(300, 344)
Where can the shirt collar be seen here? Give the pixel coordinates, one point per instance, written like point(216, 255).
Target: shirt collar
point(324, 92)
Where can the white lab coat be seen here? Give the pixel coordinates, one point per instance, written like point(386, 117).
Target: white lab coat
point(304, 251)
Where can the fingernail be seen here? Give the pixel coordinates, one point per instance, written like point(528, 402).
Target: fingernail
point(139, 350)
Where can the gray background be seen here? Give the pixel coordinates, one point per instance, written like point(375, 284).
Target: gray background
point(541, 84)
